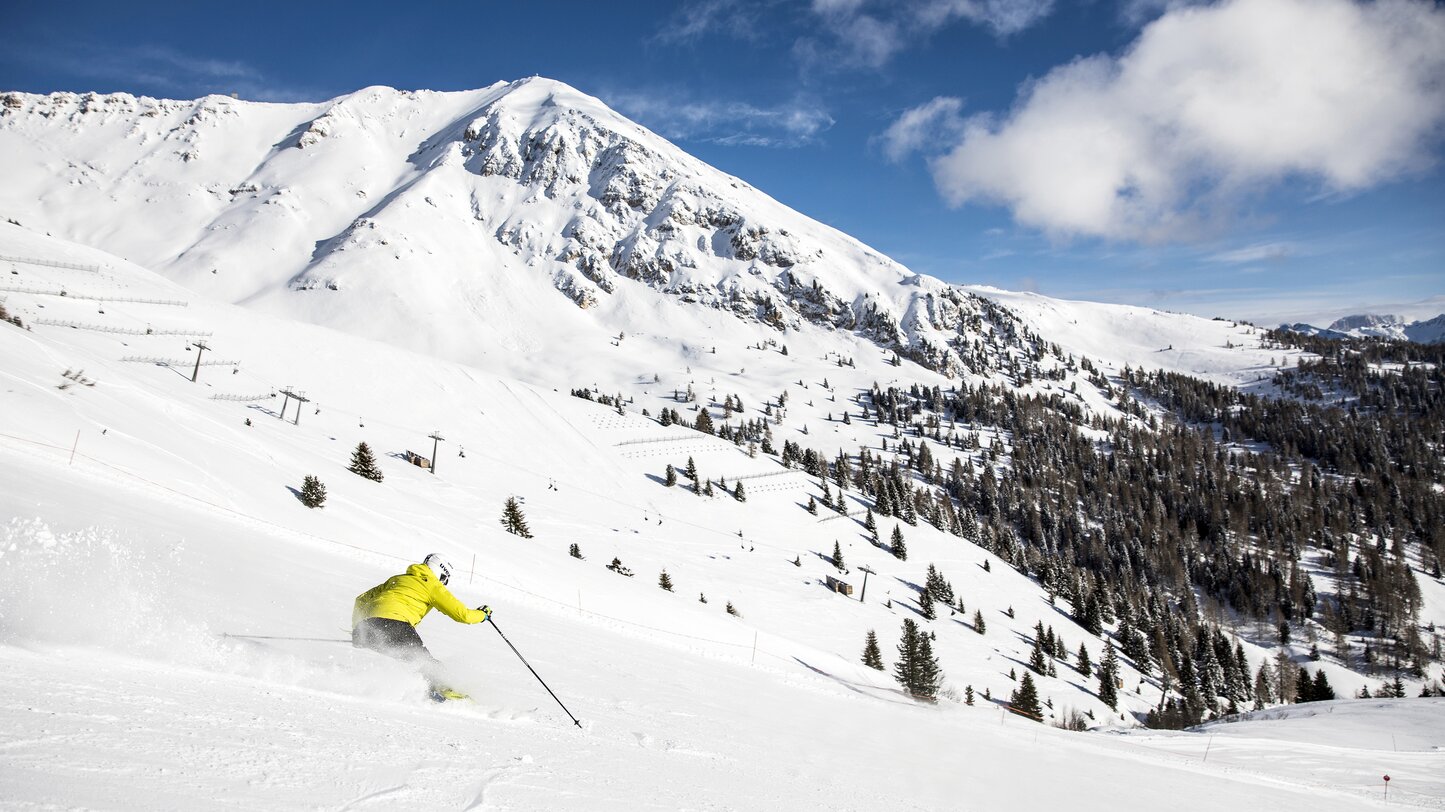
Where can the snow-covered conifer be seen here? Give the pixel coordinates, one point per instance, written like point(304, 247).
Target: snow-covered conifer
point(513, 521)
point(363, 463)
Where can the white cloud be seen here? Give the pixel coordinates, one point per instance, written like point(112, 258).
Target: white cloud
point(1262, 252)
point(1208, 105)
point(1003, 17)
point(160, 71)
point(936, 122)
point(724, 122)
point(1138, 12)
point(864, 34)
point(740, 19)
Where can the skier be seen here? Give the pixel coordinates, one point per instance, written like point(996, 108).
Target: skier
point(384, 618)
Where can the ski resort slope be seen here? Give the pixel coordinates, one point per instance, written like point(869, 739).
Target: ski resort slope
point(120, 694)
point(152, 550)
point(1118, 336)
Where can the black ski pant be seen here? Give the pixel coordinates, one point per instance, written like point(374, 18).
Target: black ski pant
point(397, 638)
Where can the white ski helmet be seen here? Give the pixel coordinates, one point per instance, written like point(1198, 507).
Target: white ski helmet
point(440, 566)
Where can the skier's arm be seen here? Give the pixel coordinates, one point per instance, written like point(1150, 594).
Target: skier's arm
point(447, 604)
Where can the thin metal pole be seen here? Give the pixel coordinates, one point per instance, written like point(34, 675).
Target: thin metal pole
point(73, 447)
point(534, 673)
point(436, 437)
point(273, 637)
point(200, 348)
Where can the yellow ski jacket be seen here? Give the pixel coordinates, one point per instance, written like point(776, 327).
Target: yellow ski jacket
point(409, 597)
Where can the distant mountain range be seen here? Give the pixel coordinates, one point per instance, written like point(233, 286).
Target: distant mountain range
point(1370, 325)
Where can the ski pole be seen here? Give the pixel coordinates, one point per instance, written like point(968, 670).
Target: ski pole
point(534, 672)
point(272, 637)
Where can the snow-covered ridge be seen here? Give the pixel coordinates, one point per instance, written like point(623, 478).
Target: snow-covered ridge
point(1369, 325)
point(468, 225)
point(414, 197)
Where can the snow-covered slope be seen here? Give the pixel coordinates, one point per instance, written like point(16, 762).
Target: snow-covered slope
point(144, 518)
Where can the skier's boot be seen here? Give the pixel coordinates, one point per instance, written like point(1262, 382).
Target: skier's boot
point(441, 693)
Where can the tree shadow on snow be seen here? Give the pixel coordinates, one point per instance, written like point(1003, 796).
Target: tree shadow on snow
point(855, 687)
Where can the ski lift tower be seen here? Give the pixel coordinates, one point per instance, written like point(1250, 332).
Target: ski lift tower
point(436, 437)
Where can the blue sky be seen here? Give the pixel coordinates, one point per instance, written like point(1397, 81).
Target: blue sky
point(1260, 159)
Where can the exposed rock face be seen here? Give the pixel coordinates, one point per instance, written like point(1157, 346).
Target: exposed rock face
point(395, 194)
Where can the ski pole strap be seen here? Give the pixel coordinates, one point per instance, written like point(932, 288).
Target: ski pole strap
point(534, 673)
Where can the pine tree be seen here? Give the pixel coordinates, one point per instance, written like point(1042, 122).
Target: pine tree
point(929, 676)
point(664, 581)
point(574, 550)
point(1321, 688)
point(968, 694)
point(978, 624)
point(617, 567)
point(899, 550)
point(1037, 661)
point(732, 610)
point(1108, 672)
point(1304, 690)
point(907, 666)
point(513, 520)
point(738, 491)
point(670, 477)
point(837, 556)
point(870, 524)
point(872, 657)
point(313, 493)
point(925, 603)
point(941, 589)
point(703, 422)
point(1085, 667)
point(691, 470)
point(363, 463)
point(917, 669)
point(1025, 699)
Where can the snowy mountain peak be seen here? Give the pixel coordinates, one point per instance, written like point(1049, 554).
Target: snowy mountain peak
point(1368, 325)
point(441, 204)
point(467, 224)
point(1365, 320)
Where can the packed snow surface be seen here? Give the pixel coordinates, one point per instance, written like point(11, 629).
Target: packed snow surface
point(144, 521)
